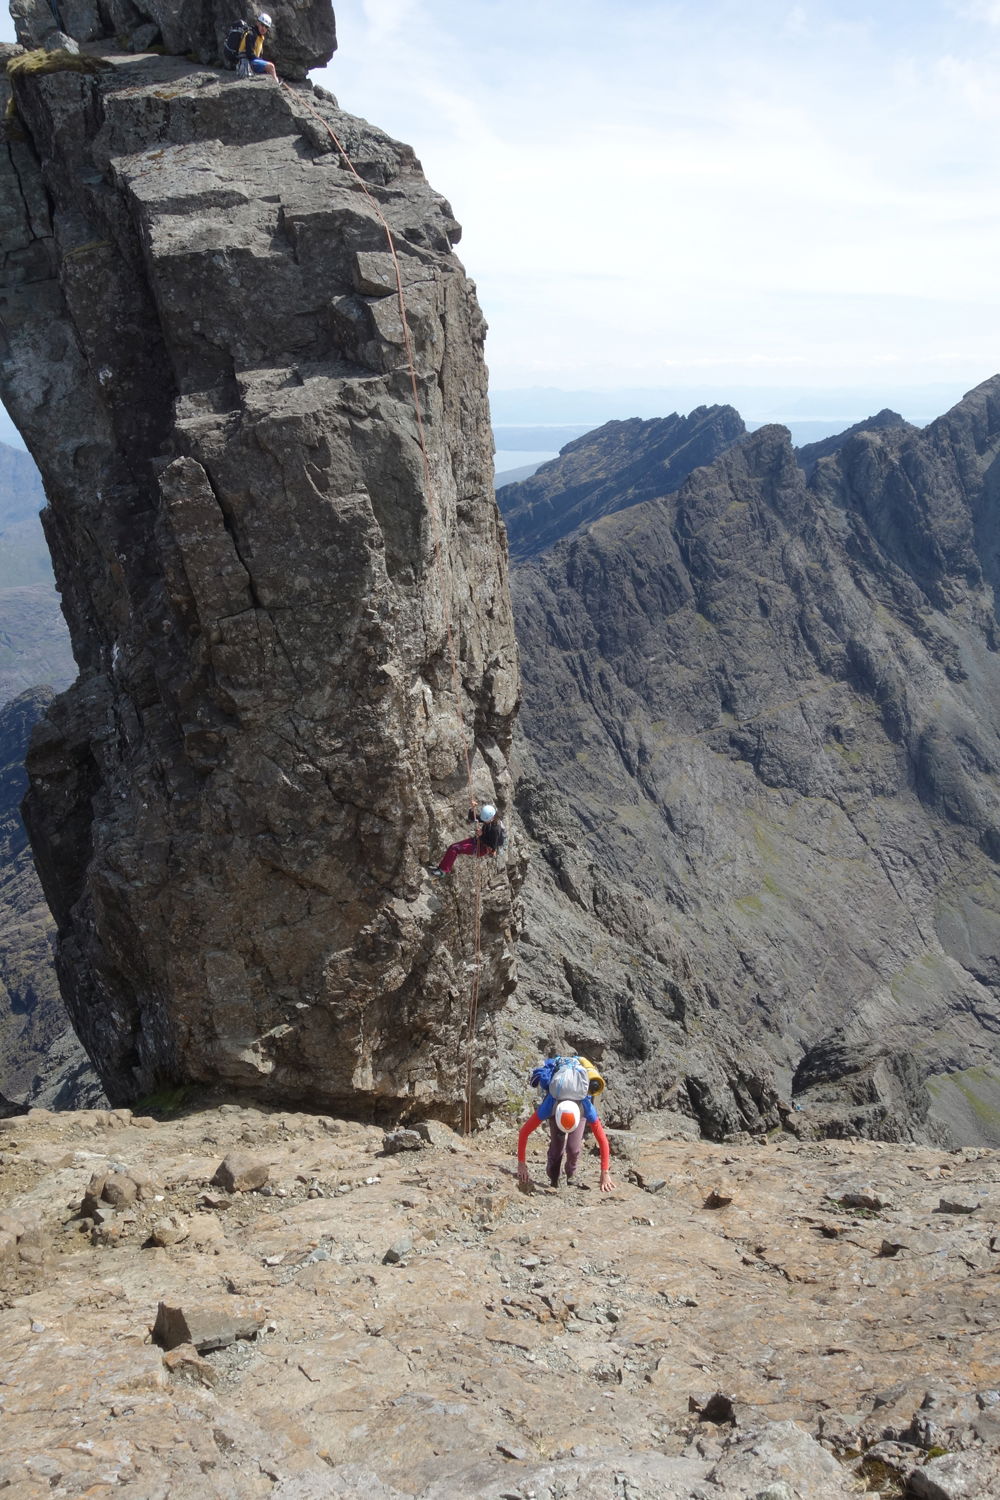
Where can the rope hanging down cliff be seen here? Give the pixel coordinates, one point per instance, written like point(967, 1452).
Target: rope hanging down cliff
point(437, 530)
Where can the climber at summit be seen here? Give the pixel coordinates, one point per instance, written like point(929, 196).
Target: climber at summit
point(251, 47)
point(489, 838)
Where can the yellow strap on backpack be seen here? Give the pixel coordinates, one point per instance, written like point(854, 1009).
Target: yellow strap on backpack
point(596, 1081)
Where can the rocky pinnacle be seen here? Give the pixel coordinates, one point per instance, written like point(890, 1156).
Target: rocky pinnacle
point(290, 644)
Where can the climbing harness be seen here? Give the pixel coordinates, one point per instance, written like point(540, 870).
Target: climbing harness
point(434, 513)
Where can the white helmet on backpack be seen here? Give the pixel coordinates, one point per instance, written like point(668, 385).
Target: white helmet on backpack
point(567, 1113)
point(486, 813)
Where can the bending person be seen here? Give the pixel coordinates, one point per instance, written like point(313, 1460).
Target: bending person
point(568, 1121)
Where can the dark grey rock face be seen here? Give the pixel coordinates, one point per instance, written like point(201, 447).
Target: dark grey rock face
point(810, 454)
point(304, 34)
point(232, 807)
point(761, 738)
point(618, 465)
point(36, 1055)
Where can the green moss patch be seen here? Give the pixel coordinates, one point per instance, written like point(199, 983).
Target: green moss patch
point(40, 61)
point(165, 1103)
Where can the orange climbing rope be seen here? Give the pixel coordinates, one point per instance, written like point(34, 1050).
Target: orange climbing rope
point(435, 514)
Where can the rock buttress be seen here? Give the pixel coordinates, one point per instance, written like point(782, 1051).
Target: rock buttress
point(231, 808)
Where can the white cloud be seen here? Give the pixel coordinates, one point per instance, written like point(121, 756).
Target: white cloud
point(387, 20)
point(980, 10)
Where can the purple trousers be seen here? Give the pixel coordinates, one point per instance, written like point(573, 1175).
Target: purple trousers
point(561, 1143)
point(467, 846)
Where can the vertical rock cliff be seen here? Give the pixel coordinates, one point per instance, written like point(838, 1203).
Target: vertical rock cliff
point(288, 640)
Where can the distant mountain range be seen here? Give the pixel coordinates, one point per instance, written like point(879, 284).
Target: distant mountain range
point(605, 471)
point(760, 770)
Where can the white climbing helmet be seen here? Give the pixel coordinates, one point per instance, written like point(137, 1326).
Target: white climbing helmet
point(264, 20)
point(567, 1115)
point(486, 813)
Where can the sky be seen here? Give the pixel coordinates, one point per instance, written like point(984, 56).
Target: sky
point(704, 195)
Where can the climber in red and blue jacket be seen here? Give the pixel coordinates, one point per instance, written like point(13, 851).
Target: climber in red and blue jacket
point(568, 1120)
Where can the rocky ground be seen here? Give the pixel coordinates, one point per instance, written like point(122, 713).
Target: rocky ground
point(782, 1320)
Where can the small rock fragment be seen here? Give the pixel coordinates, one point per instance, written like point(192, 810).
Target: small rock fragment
point(169, 1230)
point(214, 1200)
point(186, 1362)
point(206, 1325)
point(92, 1197)
point(435, 1133)
point(957, 1205)
point(394, 1255)
point(511, 1450)
point(240, 1172)
point(119, 1190)
point(863, 1199)
point(717, 1199)
point(402, 1140)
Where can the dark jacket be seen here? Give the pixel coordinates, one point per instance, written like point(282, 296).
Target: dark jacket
point(490, 834)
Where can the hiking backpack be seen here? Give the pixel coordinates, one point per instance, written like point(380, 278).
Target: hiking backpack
point(562, 1077)
point(568, 1070)
point(231, 46)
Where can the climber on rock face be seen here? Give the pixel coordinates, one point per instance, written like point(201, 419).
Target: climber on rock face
point(252, 46)
point(489, 839)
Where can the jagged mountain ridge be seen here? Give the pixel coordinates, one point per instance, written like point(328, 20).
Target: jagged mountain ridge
point(762, 718)
point(809, 454)
point(610, 469)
